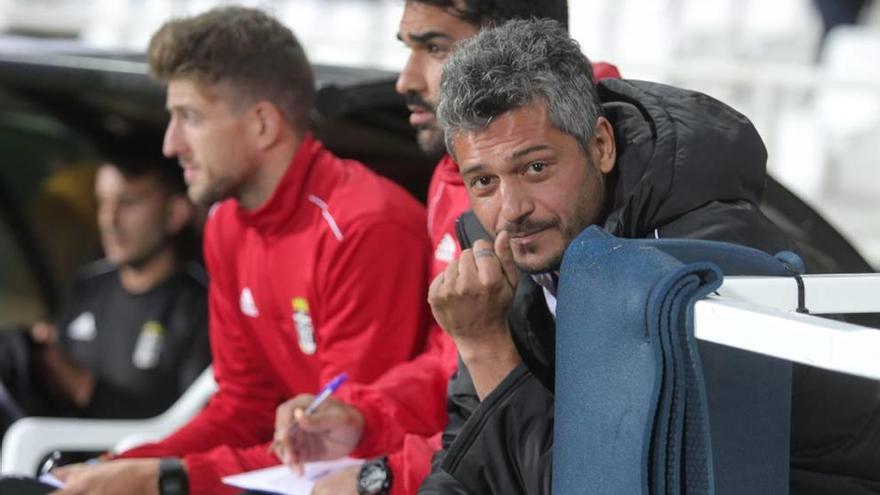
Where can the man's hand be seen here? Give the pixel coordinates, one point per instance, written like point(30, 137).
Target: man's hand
point(333, 431)
point(340, 483)
point(64, 377)
point(470, 300)
point(44, 333)
point(120, 477)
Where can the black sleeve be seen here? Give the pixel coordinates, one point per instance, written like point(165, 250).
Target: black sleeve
point(461, 402)
point(506, 446)
point(439, 482)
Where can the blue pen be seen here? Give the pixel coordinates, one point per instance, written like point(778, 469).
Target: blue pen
point(325, 392)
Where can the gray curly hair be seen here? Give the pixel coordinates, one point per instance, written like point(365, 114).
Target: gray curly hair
point(512, 66)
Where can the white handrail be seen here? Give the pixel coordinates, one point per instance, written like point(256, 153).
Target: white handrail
point(824, 294)
point(758, 314)
point(29, 439)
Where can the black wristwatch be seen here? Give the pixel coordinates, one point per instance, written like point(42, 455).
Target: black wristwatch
point(172, 477)
point(375, 477)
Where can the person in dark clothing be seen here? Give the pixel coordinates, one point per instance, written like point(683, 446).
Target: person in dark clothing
point(839, 13)
point(544, 153)
point(132, 335)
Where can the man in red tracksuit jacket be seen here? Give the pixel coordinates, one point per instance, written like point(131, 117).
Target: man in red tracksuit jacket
point(317, 265)
point(405, 411)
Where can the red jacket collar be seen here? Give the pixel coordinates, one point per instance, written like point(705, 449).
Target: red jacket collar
point(283, 202)
point(447, 171)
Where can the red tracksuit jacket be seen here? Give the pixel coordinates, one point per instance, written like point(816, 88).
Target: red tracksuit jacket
point(330, 275)
point(408, 404)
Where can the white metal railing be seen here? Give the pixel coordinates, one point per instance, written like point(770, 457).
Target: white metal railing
point(28, 440)
point(759, 314)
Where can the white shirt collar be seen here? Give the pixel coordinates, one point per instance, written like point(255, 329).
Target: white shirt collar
point(548, 285)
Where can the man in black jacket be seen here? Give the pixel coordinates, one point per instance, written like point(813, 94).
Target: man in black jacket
point(545, 153)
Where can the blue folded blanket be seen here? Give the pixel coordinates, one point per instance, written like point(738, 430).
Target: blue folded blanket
point(641, 407)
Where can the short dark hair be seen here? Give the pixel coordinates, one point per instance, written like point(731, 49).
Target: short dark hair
point(246, 48)
point(512, 66)
point(139, 155)
point(497, 12)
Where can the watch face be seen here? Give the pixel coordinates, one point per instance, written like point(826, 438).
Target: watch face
point(171, 485)
point(373, 478)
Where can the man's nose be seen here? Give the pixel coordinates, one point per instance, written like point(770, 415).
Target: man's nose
point(172, 142)
point(108, 215)
point(516, 204)
point(411, 78)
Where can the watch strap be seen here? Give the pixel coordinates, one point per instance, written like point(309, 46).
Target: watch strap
point(172, 477)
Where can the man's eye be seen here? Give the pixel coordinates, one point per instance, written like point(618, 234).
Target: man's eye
point(435, 50)
point(187, 115)
point(537, 167)
point(481, 182)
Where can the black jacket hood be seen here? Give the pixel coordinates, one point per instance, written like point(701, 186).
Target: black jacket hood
point(677, 150)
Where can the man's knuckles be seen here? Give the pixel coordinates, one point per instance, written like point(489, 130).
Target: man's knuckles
point(479, 285)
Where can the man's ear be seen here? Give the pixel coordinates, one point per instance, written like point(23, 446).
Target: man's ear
point(179, 212)
point(266, 124)
point(603, 147)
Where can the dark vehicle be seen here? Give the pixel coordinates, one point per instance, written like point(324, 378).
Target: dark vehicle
point(60, 102)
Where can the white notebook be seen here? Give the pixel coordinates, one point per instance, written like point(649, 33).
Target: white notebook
point(280, 479)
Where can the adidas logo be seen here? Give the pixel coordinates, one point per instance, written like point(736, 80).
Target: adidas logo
point(83, 327)
point(247, 305)
point(445, 251)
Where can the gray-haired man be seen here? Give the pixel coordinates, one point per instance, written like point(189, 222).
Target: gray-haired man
point(544, 153)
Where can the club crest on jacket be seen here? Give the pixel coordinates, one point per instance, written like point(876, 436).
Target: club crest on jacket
point(305, 330)
point(149, 345)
